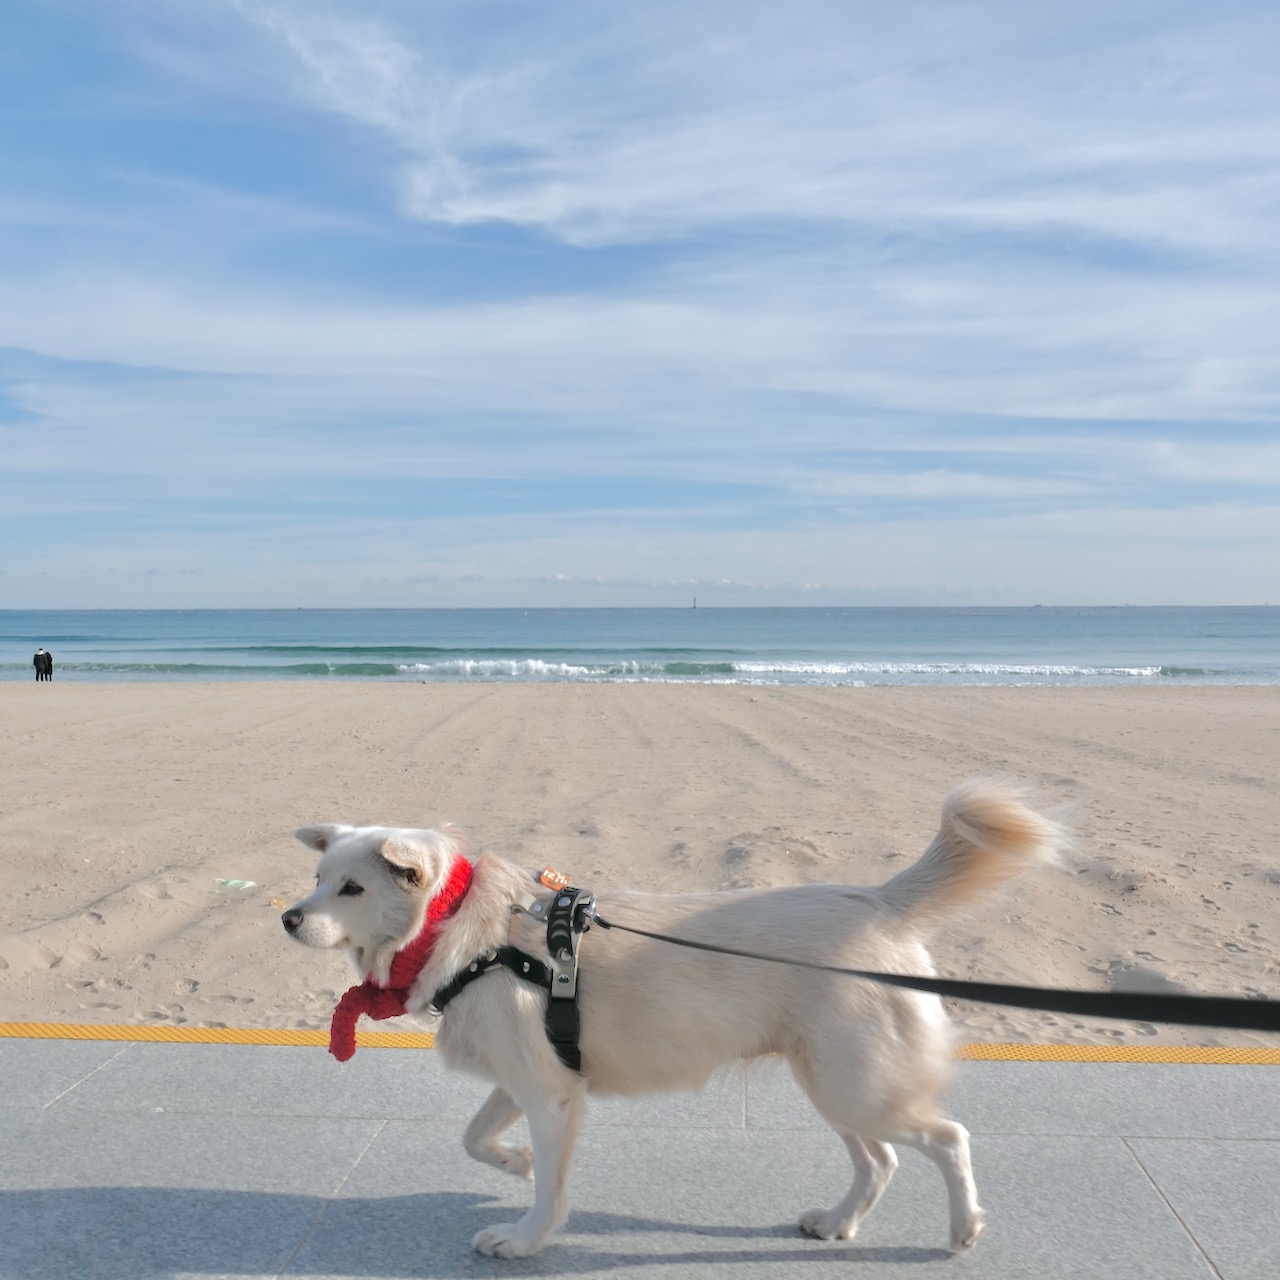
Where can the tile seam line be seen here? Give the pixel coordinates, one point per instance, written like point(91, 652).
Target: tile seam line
point(1159, 1190)
point(85, 1078)
point(329, 1199)
point(1093, 1136)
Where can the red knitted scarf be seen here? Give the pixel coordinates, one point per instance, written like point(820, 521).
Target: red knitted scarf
point(381, 1002)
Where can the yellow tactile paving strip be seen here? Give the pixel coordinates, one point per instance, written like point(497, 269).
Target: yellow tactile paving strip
point(1186, 1054)
point(208, 1035)
point(1193, 1054)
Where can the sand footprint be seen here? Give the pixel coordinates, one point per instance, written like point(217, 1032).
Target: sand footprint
point(167, 1013)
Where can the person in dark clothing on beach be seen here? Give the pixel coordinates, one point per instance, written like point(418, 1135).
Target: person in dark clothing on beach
point(43, 663)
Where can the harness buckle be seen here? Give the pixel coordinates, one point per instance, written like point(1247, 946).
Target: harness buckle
point(567, 919)
point(566, 922)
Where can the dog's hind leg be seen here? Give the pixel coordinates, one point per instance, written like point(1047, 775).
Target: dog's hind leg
point(554, 1122)
point(844, 1108)
point(499, 1112)
point(943, 1141)
point(873, 1166)
point(947, 1145)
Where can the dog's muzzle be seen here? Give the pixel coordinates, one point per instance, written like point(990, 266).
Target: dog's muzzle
point(292, 920)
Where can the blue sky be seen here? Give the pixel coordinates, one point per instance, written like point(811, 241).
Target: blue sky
point(414, 303)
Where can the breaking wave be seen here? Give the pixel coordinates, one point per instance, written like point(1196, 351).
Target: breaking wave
point(526, 669)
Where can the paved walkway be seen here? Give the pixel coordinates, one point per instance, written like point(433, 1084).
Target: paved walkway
point(130, 1161)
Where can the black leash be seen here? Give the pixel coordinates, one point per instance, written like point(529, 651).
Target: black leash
point(1192, 1011)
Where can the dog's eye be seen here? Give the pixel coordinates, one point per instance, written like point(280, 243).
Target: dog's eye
point(350, 889)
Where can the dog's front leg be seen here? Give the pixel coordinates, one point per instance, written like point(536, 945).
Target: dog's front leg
point(554, 1122)
point(499, 1113)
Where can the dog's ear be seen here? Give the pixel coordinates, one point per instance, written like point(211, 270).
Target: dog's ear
point(420, 860)
point(320, 837)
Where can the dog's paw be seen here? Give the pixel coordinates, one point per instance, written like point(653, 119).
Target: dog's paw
point(516, 1160)
point(505, 1240)
point(820, 1224)
point(967, 1236)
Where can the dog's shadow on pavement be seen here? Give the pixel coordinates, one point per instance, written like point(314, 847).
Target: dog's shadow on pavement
point(132, 1233)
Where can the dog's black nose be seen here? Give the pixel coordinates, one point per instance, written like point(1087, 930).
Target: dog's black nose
point(292, 919)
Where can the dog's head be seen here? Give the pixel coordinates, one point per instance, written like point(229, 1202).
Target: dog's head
point(372, 886)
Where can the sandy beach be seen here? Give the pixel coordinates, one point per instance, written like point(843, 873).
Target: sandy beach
point(133, 818)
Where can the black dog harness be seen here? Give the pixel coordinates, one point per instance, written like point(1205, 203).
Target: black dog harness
point(568, 917)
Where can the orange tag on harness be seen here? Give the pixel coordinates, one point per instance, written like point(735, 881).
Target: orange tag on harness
point(552, 879)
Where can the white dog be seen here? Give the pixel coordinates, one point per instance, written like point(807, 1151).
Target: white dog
point(654, 1016)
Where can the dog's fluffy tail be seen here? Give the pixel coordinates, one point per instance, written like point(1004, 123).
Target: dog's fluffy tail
point(988, 835)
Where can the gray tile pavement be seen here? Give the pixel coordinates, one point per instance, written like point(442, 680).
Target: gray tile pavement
point(133, 1161)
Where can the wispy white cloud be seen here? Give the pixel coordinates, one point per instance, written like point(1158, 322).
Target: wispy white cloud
point(870, 300)
point(957, 342)
point(963, 118)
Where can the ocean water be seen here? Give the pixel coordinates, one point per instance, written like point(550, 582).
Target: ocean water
point(858, 646)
